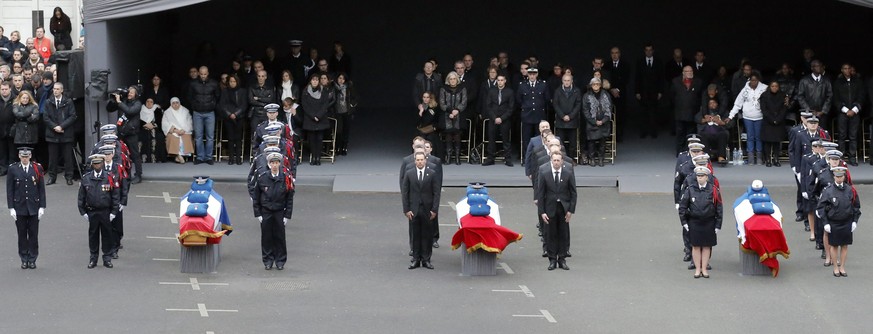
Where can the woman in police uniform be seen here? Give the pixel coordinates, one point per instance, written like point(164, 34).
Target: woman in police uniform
point(700, 211)
point(839, 208)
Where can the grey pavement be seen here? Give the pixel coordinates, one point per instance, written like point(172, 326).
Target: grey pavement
point(347, 273)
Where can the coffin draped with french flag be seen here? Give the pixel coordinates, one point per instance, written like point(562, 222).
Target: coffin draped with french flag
point(759, 228)
point(203, 216)
point(479, 222)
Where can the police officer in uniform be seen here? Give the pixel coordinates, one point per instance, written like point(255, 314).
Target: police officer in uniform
point(121, 176)
point(98, 204)
point(25, 197)
point(683, 170)
point(810, 166)
point(273, 204)
point(792, 132)
point(260, 165)
point(258, 132)
point(532, 96)
point(700, 212)
point(839, 209)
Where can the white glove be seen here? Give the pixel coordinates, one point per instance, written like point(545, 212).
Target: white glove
point(827, 228)
point(716, 230)
point(111, 217)
point(805, 195)
point(794, 170)
point(677, 206)
point(260, 220)
point(285, 221)
point(120, 207)
point(686, 227)
point(12, 213)
point(40, 213)
point(85, 216)
point(854, 226)
point(797, 176)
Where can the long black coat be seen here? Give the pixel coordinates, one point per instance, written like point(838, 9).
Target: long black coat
point(63, 115)
point(686, 101)
point(7, 118)
point(774, 110)
point(316, 108)
point(567, 104)
point(26, 127)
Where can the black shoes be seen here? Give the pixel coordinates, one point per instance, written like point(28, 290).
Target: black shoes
point(776, 163)
point(137, 179)
point(553, 264)
point(108, 264)
point(410, 253)
point(51, 180)
point(197, 161)
point(114, 256)
point(686, 258)
point(92, 264)
point(508, 163)
point(69, 182)
point(280, 267)
point(768, 164)
point(31, 265)
point(415, 264)
point(24, 265)
point(427, 265)
point(488, 162)
point(852, 161)
point(268, 266)
point(799, 217)
point(691, 266)
point(563, 264)
point(210, 162)
point(436, 245)
point(239, 160)
point(567, 254)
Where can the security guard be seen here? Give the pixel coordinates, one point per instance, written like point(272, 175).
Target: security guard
point(121, 177)
point(273, 204)
point(272, 111)
point(25, 197)
point(823, 179)
point(791, 138)
point(98, 204)
point(532, 96)
point(839, 209)
point(260, 165)
point(684, 156)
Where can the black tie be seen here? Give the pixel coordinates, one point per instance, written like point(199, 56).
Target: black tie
point(25, 170)
point(557, 178)
point(649, 63)
point(420, 176)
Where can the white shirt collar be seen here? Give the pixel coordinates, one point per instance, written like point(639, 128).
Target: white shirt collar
point(703, 186)
point(816, 77)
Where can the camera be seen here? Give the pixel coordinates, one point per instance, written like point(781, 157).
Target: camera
point(121, 91)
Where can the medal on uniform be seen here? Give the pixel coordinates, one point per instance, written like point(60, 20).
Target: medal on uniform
point(692, 200)
point(104, 187)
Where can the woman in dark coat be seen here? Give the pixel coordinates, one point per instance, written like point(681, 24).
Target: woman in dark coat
point(231, 110)
point(160, 95)
point(316, 103)
point(61, 27)
point(346, 105)
point(453, 101)
point(428, 114)
point(26, 127)
point(839, 208)
point(597, 109)
point(774, 106)
point(700, 212)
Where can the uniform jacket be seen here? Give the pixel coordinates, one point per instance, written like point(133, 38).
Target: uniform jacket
point(549, 195)
point(203, 95)
point(839, 205)
point(121, 177)
point(815, 95)
point(802, 144)
point(274, 193)
point(425, 194)
point(532, 99)
point(98, 193)
point(25, 192)
point(567, 104)
point(701, 204)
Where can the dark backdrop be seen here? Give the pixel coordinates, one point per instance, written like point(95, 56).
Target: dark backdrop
point(388, 44)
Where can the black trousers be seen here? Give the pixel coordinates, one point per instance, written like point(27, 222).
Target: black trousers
point(686, 240)
point(159, 150)
point(648, 116)
point(683, 129)
point(233, 130)
point(28, 237)
point(100, 231)
point(61, 151)
point(344, 124)
point(799, 199)
point(117, 225)
point(715, 142)
point(621, 116)
point(502, 130)
point(557, 234)
point(528, 131)
point(422, 234)
point(273, 246)
point(569, 135)
point(847, 129)
point(315, 139)
point(132, 142)
point(772, 149)
point(8, 153)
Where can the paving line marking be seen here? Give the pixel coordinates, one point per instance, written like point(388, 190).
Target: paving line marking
point(171, 216)
point(201, 308)
point(543, 314)
point(522, 289)
point(165, 195)
point(169, 260)
point(505, 267)
point(452, 205)
point(195, 285)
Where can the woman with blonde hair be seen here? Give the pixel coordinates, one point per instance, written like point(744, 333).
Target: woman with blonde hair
point(453, 102)
point(25, 131)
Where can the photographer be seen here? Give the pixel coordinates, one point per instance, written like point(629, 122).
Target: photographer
point(129, 109)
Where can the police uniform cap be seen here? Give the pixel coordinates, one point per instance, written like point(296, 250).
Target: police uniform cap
point(25, 151)
point(806, 114)
point(696, 146)
point(812, 119)
point(272, 149)
point(701, 159)
point(839, 171)
point(692, 138)
point(273, 129)
point(274, 157)
point(108, 128)
point(834, 154)
point(829, 144)
point(96, 158)
point(702, 170)
point(532, 70)
point(272, 107)
point(105, 138)
point(295, 42)
point(107, 149)
point(271, 139)
point(818, 143)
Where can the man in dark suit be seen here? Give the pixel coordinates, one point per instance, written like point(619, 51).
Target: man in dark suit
point(649, 86)
point(59, 118)
point(618, 77)
point(685, 94)
point(567, 101)
point(499, 105)
point(673, 68)
point(702, 69)
point(556, 202)
point(25, 198)
point(420, 192)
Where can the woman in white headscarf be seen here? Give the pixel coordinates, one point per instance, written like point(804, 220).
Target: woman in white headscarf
point(178, 125)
